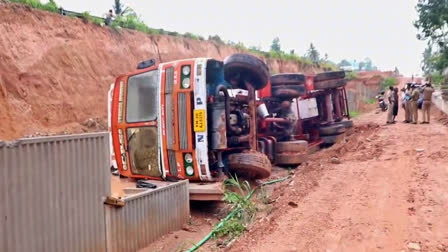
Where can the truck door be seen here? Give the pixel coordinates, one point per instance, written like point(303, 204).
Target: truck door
point(135, 111)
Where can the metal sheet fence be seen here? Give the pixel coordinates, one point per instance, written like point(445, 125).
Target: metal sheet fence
point(146, 216)
point(52, 192)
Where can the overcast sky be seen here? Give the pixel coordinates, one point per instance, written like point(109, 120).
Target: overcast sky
point(344, 29)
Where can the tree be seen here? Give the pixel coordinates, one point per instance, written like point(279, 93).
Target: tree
point(292, 52)
point(361, 65)
point(120, 9)
point(313, 54)
point(368, 65)
point(326, 57)
point(275, 46)
point(344, 63)
point(432, 25)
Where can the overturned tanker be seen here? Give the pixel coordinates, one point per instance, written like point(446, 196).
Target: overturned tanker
point(189, 119)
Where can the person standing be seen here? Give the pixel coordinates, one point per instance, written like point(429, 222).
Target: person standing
point(390, 109)
point(109, 17)
point(396, 106)
point(415, 95)
point(407, 104)
point(426, 107)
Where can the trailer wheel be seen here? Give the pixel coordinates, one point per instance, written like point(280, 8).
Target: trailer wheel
point(300, 146)
point(288, 79)
point(242, 67)
point(290, 158)
point(334, 129)
point(347, 123)
point(287, 92)
point(329, 76)
point(252, 165)
point(328, 84)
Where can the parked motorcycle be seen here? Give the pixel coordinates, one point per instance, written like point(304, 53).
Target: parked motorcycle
point(381, 103)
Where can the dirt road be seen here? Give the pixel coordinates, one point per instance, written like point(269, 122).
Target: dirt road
point(383, 189)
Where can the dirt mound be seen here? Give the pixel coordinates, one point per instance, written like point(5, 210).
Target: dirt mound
point(306, 180)
point(55, 70)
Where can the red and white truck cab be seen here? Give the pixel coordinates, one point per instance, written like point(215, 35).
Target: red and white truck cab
point(177, 119)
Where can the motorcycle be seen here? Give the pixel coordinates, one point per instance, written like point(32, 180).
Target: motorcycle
point(381, 103)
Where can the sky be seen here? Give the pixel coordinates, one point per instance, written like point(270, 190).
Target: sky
point(344, 29)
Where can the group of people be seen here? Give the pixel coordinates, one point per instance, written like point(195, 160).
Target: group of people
point(411, 98)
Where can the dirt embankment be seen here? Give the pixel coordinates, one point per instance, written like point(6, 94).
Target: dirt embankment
point(55, 71)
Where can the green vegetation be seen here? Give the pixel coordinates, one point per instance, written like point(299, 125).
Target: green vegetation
point(371, 101)
point(432, 25)
point(437, 79)
point(354, 113)
point(236, 196)
point(50, 6)
point(388, 82)
point(275, 47)
point(351, 75)
point(88, 18)
point(120, 9)
point(313, 54)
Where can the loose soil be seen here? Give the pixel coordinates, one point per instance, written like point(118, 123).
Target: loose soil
point(382, 189)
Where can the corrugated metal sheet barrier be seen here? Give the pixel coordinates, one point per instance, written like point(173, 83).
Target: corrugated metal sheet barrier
point(146, 216)
point(52, 193)
point(53, 189)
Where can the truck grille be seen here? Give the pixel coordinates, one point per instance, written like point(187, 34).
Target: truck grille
point(169, 121)
point(169, 80)
point(172, 162)
point(182, 116)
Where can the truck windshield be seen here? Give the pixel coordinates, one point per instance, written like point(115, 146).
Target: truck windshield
point(141, 99)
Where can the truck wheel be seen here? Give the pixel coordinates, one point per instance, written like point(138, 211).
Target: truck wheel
point(290, 158)
point(347, 123)
point(334, 129)
point(284, 91)
point(252, 165)
point(327, 84)
point(292, 146)
point(242, 67)
point(329, 76)
point(288, 79)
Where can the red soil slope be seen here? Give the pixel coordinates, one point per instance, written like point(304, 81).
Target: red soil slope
point(55, 71)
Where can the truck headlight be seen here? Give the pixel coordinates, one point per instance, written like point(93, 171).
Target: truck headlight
point(186, 82)
point(189, 170)
point(186, 70)
point(188, 158)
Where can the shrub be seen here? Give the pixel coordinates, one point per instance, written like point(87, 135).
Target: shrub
point(50, 6)
point(351, 75)
point(389, 82)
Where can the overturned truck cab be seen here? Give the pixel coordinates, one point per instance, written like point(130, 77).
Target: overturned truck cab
point(186, 119)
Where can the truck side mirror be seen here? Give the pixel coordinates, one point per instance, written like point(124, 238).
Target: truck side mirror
point(146, 64)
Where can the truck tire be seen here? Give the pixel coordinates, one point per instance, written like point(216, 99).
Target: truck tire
point(328, 84)
point(288, 79)
point(300, 146)
point(334, 129)
point(290, 158)
point(240, 67)
point(284, 91)
point(347, 123)
point(251, 165)
point(329, 76)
